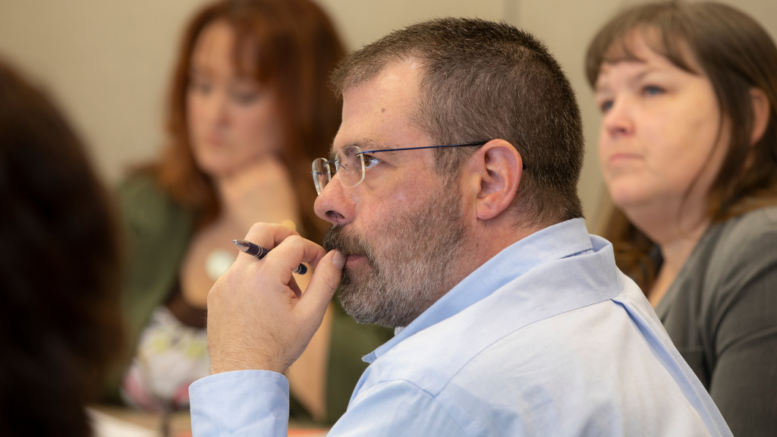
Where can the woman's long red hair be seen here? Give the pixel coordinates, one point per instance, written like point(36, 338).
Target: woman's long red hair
point(295, 48)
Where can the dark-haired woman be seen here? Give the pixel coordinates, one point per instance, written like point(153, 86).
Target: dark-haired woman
point(60, 324)
point(250, 109)
point(688, 148)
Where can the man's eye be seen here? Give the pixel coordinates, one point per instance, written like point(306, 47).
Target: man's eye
point(370, 161)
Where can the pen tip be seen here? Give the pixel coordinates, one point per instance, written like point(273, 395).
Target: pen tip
point(240, 243)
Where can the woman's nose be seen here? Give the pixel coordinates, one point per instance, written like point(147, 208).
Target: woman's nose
point(619, 120)
point(216, 108)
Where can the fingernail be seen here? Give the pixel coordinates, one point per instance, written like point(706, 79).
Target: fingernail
point(338, 260)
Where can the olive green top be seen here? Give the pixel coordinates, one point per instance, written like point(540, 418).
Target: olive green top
point(157, 235)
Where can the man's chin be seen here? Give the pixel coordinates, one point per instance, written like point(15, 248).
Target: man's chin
point(358, 299)
point(355, 305)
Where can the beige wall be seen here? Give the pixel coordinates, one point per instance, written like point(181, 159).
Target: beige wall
point(108, 62)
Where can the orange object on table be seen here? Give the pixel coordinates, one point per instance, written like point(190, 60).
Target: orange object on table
point(293, 432)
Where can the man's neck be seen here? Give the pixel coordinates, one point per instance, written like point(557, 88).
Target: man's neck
point(487, 241)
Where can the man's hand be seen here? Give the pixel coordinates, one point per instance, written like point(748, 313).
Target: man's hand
point(255, 319)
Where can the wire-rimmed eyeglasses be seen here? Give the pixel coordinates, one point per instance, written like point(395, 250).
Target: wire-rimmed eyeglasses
point(350, 164)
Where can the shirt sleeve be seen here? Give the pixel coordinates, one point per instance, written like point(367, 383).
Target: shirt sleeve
point(396, 408)
point(744, 326)
point(241, 403)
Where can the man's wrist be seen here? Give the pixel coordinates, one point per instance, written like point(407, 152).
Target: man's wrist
point(233, 364)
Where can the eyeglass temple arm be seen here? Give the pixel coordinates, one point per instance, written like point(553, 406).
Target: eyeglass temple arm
point(477, 143)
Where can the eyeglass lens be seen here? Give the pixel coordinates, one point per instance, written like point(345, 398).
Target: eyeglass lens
point(348, 163)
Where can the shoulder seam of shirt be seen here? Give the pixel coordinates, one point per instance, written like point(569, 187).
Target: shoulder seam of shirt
point(486, 347)
point(433, 397)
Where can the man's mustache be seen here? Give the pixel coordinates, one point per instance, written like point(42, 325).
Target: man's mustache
point(336, 237)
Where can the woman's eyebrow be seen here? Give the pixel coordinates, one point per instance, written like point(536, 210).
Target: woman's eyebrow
point(647, 70)
point(196, 71)
point(641, 75)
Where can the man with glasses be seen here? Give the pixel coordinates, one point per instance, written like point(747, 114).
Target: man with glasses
point(451, 189)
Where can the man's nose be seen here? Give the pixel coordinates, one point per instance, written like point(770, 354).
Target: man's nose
point(333, 204)
point(619, 119)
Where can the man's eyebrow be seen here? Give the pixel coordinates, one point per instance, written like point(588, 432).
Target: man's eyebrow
point(365, 145)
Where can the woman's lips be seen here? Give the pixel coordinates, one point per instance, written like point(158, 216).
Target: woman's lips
point(214, 141)
point(619, 158)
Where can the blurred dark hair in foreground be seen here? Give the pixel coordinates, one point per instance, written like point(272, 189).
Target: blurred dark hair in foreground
point(60, 323)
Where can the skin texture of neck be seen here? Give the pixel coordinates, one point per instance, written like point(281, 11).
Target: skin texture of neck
point(492, 237)
point(485, 240)
point(675, 233)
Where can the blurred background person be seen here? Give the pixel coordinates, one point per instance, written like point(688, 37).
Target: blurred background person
point(688, 148)
point(108, 62)
point(60, 324)
point(249, 109)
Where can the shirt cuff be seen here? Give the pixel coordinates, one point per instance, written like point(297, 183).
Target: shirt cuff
point(240, 403)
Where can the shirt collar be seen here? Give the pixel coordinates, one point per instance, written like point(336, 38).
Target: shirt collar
point(554, 242)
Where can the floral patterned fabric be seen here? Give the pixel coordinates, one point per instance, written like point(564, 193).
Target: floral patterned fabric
point(170, 356)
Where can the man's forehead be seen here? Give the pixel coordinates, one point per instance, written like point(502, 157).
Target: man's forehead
point(379, 112)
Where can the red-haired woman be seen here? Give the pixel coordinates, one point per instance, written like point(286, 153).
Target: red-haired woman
point(250, 108)
point(688, 148)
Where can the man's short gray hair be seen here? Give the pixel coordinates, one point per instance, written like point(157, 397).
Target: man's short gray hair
point(484, 80)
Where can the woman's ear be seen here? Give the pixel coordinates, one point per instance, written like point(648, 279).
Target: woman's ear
point(497, 167)
point(761, 111)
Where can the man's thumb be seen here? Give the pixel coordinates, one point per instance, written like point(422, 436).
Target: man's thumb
point(324, 283)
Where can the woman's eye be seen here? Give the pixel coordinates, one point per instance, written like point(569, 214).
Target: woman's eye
point(245, 98)
point(652, 90)
point(370, 161)
point(200, 87)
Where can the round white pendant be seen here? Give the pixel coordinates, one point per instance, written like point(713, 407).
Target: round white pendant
point(217, 263)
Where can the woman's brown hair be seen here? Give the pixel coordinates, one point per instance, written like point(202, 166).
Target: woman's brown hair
point(295, 47)
point(60, 323)
point(737, 55)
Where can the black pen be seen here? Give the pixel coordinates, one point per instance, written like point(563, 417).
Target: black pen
point(260, 252)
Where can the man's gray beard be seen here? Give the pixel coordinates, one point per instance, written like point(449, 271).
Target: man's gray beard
point(407, 262)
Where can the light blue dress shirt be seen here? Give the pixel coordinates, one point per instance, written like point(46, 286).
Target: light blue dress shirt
point(548, 338)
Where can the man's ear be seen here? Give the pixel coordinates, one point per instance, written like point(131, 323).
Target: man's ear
point(761, 112)
point(497, 168)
